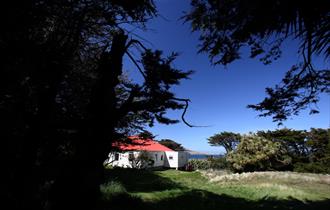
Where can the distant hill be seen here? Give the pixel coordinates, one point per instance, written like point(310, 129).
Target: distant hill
point(196, 152)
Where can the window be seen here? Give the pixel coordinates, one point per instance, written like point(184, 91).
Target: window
point(116, 156)
point(170, 157)
point(161, 157)
point(130, 156)
point(156, 157)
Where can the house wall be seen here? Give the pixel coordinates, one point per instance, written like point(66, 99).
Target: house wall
point(176, 159)
point(171, 160)
point(123, 160)
point(159, 158)
point(183, 157)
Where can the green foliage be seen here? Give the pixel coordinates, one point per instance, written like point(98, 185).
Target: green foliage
point(284, 149)
point(226, 27)
point(210, 163)
point(146, 135)
point(199, 164)
point(296, 92)
point(218, 163)
point(313, 167)
point(256, 153)
point(143, 160)
point(172, 144)
point(309, 150)
point(228, 140)
point(293, 140)
point(319, 142)
point(153, 98)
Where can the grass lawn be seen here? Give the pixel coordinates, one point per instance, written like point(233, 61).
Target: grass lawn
point(174, 190)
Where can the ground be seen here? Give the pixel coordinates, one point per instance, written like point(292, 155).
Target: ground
point(174, 190)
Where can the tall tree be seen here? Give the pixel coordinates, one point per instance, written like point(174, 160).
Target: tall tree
point(64, 96)
point(172, 144)
point(293, 140)
point(319, 141)
point(228, 140)
point(146, 135)
point(309, 150)
point(227, 26)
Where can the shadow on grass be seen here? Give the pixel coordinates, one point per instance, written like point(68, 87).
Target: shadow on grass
point(200, 199)
point(204, 200)
point(135, 180)
point(190, 199)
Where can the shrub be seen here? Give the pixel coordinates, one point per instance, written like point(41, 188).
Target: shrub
point(210, 163)
point(199, 164)
point(314, 167)
point(256, 153)
point(218, 163)
point(143, 160)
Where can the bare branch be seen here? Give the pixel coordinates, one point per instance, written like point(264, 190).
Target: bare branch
point(184, 112)
point(134, 41)
point(136, 64)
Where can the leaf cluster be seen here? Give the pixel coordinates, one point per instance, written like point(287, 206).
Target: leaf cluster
point(228, 27)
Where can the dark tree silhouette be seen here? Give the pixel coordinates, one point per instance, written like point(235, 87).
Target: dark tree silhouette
point(64, 96)
point(146, 135)
point(227, 26)
point(319, 141)
point(228, 140)
point(172, 144)
point(303, 146)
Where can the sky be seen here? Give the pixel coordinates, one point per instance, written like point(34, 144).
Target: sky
point(219, 95)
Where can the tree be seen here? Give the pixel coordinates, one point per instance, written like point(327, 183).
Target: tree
point(146, 135)
point(172, 144)
point(256, 153)
point(262, 26)
point(318, 144)
point(228, 140)
point(293, 140)
point(63, 95)
point(318, 140)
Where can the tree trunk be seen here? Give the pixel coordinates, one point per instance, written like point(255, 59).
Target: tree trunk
point(78, 185)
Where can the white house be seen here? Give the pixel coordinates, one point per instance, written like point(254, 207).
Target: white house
point(140, 153)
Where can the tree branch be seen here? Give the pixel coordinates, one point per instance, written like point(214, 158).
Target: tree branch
point(136, 64)
point(134, 41)
point(185, 110)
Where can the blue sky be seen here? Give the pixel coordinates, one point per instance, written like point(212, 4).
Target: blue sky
point(220, 95)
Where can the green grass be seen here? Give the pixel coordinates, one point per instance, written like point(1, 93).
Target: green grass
point(173, 190)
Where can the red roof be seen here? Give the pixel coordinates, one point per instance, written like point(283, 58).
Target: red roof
point(137, 143)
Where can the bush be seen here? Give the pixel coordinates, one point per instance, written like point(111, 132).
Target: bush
point(313, 167)
point(210, 163)
point(218, 163)
point(142, 161)
point(199, 164)
point(256, 153)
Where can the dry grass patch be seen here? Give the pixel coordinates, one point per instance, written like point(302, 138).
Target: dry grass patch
point(302, 186)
